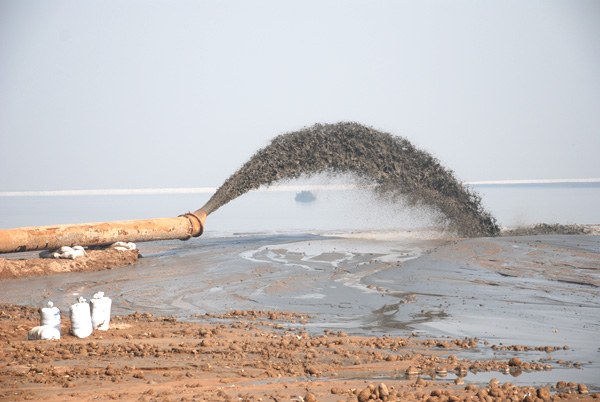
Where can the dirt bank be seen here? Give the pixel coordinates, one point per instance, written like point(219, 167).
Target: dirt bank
point(248, 356)
point(96, 260)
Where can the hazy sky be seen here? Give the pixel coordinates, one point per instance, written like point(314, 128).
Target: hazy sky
point(138, 94)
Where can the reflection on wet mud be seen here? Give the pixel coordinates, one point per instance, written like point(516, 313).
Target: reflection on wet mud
point(388, 316)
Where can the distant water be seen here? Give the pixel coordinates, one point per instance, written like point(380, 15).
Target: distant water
point(526, 204)
point(336, 210)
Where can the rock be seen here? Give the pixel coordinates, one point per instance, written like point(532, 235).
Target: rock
point(461, 369)
point(309, 397)
point(544, 393)
point(110, 371)
point(421, 383)
point(235, 348)
point(364, 395)
point(582, 388)
point(515, 362)
point(383, 390)
point(337, 391)
point(412, 370)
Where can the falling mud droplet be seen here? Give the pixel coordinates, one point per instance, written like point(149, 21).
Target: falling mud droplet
point(393, 164)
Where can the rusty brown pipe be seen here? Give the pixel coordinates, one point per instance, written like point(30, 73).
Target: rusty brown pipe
point(182, 227)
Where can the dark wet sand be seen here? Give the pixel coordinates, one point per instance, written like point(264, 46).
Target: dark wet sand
point(514, 294)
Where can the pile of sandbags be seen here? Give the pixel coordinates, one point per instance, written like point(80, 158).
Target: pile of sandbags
point(85, 318)
point(78, 251)
point(64, 252)
point(123, 246)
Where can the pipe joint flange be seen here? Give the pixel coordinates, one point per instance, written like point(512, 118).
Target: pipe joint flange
point(196, 224)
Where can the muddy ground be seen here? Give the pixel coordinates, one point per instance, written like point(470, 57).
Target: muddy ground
point(304, 317)
point(246, 356)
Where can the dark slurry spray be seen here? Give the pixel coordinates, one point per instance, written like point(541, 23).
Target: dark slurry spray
point(398, 169)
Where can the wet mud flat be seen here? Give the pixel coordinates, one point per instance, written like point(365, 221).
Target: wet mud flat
point(484, 302)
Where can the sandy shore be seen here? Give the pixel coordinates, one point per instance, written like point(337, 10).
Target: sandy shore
point(287, 316)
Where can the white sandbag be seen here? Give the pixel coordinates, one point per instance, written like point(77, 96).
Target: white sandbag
point(71, 255)
point(100, 311)
point(72, 252)
point(81, 320)
point(43, 332)
point(123, 246)
point(64, 249)
point(64, 252)
point(50, 316)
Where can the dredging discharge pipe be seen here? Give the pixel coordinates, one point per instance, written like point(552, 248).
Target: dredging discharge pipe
point(183, 227)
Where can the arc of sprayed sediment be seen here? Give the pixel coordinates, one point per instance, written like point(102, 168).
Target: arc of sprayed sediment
point(396, 167)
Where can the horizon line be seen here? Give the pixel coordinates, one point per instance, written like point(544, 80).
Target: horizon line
point(212, 190)
point(534, 181)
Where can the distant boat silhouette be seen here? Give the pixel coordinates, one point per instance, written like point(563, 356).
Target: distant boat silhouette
point(305, 196)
